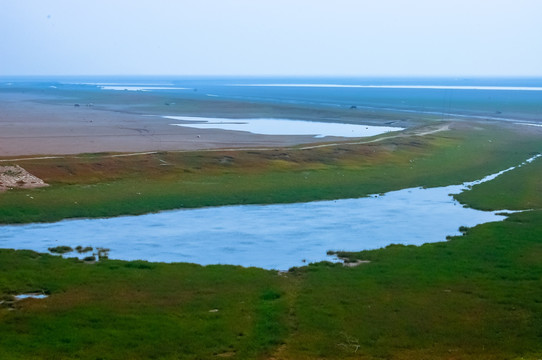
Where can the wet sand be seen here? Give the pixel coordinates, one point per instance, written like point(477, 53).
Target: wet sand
point(31, 127)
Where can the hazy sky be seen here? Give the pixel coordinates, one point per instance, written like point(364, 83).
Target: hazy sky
point(271, 37)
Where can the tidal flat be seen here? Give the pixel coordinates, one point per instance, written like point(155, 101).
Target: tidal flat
point(475, 296)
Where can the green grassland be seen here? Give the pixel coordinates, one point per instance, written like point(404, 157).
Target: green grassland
point(138, 310)
point(477, 296)
point(517, 190)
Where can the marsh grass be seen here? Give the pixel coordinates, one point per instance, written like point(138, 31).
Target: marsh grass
point(82, 250)
point(60, 249)
point(137, 310)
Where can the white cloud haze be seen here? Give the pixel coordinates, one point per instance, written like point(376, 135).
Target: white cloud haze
point(271, 37)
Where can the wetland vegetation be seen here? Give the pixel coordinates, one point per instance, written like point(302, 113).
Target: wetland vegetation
point(476, 296)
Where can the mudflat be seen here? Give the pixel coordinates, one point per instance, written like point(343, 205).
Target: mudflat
point(29, 126)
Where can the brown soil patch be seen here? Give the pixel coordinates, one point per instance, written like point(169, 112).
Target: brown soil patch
point(12, 177)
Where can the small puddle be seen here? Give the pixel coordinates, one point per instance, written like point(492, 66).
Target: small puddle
point(30, 296)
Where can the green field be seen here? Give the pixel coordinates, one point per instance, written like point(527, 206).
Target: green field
point(477, 296)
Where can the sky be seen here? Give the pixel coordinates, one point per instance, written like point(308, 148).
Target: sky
point(271, 37)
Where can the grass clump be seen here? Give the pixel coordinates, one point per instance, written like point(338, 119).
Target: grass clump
point(82, 250)
point(102, 253)
point(270, 295)
point(140, 265)
point(60, 249)
point(464, 229)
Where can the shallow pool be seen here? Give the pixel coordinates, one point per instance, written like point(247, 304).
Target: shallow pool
point(317, 129)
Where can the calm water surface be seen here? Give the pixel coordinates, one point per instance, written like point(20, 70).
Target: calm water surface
point(284, 126)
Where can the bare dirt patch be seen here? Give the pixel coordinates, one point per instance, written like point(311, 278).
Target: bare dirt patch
point(13, 177)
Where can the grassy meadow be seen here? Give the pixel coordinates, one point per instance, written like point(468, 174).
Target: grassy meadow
point(476, 296)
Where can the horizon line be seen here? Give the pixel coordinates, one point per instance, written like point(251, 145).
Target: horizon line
point(275, 75)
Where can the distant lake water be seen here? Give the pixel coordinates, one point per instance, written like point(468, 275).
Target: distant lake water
point(506, 99)
point(267, 236)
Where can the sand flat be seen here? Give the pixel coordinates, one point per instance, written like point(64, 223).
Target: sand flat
point(31, 127)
